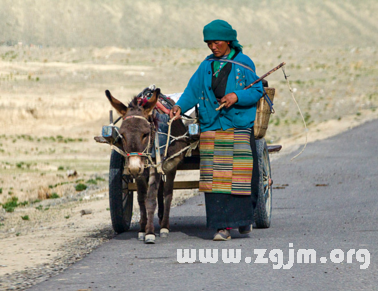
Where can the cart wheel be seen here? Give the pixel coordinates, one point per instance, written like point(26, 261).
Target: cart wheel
point(263, 211)
point(120, 198)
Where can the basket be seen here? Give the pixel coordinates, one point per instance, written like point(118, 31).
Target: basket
point(263, 114)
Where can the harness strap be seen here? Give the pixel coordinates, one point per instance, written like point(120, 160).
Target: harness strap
point(270, 103)
point(169, 135)
point(265, 95)
point(158, 165)
point(118, 150)
point(231, 61)
point(136, 116)
point(159, 168)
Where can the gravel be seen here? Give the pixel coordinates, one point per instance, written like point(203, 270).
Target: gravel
point(72, 252)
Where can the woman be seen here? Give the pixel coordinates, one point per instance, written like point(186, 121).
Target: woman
point(227, 145)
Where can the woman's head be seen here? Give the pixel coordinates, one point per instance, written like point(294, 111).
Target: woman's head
point(222, 32)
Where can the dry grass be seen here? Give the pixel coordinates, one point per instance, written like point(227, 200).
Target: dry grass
point(52, 101)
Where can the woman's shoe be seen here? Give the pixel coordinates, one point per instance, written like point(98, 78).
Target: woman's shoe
point(222, 235)
point(245, 229)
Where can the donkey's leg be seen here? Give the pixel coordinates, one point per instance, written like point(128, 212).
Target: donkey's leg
point(168, 193)
point(142, 193)
point(161, 201)
point(153, 186)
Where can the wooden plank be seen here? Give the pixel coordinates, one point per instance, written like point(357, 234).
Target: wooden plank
point(100, 139)
point(274, 148)
point(177, 185)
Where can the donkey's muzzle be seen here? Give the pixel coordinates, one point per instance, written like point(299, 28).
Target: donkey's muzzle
point(135, 166)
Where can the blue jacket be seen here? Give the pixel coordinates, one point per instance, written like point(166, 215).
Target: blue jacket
point(240, 115)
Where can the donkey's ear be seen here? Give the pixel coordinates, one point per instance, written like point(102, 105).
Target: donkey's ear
point(118, 105)
point(150, 104)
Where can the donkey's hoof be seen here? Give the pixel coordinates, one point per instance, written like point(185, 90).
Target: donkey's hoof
point(164, 232)
point(149, 239)
point(141, 235)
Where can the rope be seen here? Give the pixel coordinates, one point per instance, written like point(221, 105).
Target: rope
point(190, 147)
point(158, 164)
point(169, 135)
point(270, 103)
point(178, 153)
point(174, 138)
point(299, 109)
point(118, 150)
point(231, 61)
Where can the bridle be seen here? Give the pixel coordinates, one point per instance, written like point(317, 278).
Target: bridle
point(146, 152)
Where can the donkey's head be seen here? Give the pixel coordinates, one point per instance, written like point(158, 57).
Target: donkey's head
point(137, 130)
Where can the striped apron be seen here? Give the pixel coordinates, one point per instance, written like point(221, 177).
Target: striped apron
point(226, 162)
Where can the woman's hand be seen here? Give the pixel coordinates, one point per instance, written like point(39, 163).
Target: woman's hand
point(175, 112)
point(229, 99)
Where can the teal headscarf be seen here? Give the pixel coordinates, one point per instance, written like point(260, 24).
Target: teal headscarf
point(221, 30)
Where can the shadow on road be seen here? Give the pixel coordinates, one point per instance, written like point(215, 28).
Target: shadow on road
point(193, 226)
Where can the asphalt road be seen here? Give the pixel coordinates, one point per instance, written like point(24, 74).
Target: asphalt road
point(330, 205)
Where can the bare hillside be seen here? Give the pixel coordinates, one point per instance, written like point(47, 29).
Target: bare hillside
point(177, 23)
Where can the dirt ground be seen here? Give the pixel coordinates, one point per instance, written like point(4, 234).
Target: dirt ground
point(52, 104)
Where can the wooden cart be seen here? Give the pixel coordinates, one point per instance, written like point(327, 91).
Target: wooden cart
point(122, 187)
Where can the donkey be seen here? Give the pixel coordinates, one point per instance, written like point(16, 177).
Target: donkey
point(138, 131)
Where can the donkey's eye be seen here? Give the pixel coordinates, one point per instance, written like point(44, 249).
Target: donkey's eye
point(145, 136)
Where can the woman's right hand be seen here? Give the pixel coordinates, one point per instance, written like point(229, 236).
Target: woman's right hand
point(175, 112)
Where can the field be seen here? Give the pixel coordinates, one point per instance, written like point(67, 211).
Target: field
point(52, 104)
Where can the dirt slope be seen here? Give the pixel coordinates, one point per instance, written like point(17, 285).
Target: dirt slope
point(161, 23)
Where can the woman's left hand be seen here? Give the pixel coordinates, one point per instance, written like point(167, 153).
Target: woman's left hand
point(229, 99)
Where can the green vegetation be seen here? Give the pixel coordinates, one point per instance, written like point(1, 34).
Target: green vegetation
point(9, 56)
point(61, 139)
point(58, 138)
point(40, 208)
point(307, 117)
point(25, 217)
point(54, 196)
point(81, 187)
point(11, 204)
point(58, 184)
point(91, 181)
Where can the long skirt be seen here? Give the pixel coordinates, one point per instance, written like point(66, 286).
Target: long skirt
point(229, 177)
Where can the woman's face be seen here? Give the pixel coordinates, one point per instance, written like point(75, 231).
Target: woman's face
point(218, 47)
